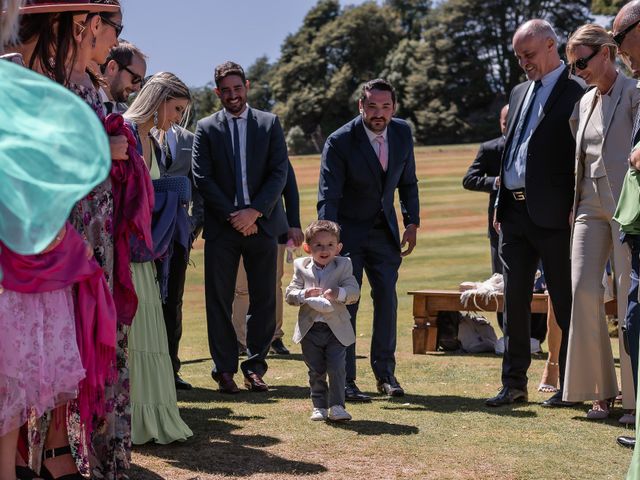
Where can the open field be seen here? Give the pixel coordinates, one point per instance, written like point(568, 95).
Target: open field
point(440, 430)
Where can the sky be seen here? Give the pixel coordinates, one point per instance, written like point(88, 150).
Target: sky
point(190, 37)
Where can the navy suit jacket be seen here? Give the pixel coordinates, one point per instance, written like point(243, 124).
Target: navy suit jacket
point(267, 166)
point(482, 173)
point(353, 188)
point(550, 169)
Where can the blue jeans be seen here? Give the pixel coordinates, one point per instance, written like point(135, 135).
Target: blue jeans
point(632, 320)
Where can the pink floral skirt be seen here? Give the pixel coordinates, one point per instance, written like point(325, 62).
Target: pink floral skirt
point(40, 365)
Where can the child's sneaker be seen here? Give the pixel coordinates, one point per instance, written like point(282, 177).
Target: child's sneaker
point(319, 414)
point(337, 413)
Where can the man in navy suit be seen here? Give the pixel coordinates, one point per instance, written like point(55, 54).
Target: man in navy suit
point(363, 163)
point(240, 168)
point(534, 204)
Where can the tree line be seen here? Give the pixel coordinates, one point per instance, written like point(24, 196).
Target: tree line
point(451, 62)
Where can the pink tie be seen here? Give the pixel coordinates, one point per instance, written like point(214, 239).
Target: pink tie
point(382, 152)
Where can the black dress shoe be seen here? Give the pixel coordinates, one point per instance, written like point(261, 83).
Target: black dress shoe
point(353, 394)
point(627, 442)
point(556, 401)
point(507, 396)
point(390, 386)
point(278, 347)
point(181, 384)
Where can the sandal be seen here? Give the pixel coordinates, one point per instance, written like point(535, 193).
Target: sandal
point(600, 409)
point(545, 385)
point(58, 452)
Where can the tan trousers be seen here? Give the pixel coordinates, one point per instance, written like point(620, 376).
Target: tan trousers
point(241, 300)
point(590, 372)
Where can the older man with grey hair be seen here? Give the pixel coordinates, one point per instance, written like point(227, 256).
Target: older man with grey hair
point(626, 34)
point(534, 201)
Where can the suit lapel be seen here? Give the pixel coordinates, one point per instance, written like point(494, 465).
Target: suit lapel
point(586, 109)
point(393, 161)
point(518, 100)
point(367, 151)
point(226, 134)
point(312, 272)
point(616, 95)
point(252, 129)
point(558, 88)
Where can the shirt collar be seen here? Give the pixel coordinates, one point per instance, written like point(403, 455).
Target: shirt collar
point(553, 76)
point(373, 135)
point(103, 95)
point(244, 115)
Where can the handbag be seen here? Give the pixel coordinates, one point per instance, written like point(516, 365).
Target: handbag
point(178, 184)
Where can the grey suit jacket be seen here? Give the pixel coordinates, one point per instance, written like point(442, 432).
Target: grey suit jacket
point(267, 166)
point(181, 166)
point(617, 130)
point(338, 273)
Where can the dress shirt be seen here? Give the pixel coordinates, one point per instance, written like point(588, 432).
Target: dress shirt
point(115, 107)
point(516, 161)
point(242, 131)
point(374, 143)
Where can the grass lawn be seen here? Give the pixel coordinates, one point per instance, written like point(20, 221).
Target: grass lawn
point(439, 430)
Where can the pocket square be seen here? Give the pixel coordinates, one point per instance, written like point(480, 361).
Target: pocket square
point(319, 304)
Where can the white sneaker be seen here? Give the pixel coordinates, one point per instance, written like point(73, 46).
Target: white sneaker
point(319, 414)
point(337, 413)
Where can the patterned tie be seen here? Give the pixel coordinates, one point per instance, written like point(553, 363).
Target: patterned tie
point(238, 164)
point(521, 127)
point(383, 156)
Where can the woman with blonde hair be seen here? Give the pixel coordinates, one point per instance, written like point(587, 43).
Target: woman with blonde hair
point(604, 121)
point(163, 100)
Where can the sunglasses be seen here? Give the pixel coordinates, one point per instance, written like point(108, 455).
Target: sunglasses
point(583, 62)
point(619, 37)
point(135, 78)
point(117, 27)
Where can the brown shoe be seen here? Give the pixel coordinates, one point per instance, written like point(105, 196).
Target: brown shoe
point(254, 383)
point(225, 381)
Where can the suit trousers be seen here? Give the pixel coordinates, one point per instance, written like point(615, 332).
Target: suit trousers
point(221, 259)
point(379, 257)
point(632, 318)
point(241, 300)
point(591, 373)
point(522, 245)
point(324, 355)
point(172, 308)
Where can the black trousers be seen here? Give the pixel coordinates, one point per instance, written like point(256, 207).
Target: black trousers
point(379, 257)
point(221, 258)
point(172, 308)
point(522, 245)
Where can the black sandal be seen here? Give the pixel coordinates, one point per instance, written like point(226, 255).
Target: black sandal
point(58, 452)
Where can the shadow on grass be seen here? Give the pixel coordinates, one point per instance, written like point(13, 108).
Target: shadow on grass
point(373, 427)
point(141, 473)
point(217, 449)
point(455, 404)
point(275, 393)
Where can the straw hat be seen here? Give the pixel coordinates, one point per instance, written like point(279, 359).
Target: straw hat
point(53, 6)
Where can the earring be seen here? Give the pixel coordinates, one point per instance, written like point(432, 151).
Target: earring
point(93, 42)
point(155, 119)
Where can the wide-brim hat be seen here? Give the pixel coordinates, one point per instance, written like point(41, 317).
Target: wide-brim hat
point(53, 6)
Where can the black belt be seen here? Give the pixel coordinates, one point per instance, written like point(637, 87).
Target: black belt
point(518, 195)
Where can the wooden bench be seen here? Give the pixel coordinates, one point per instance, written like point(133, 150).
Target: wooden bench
point(428, 303)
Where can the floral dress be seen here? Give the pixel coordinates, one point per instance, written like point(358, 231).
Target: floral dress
point(109, 453)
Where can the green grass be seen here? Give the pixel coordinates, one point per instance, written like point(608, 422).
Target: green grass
point(440, 430)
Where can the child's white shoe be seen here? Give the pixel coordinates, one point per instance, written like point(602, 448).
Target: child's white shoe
point(337, 413)
point(319, 414)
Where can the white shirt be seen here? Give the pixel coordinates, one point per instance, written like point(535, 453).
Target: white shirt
point(372, 139)
point(242, 131)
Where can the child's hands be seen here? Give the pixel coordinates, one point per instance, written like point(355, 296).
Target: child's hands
point(330, 295)
point(312, 292)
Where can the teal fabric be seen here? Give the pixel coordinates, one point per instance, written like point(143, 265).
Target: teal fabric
point(53, 151)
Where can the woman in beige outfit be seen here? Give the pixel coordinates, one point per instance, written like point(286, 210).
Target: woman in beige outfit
point(603, 141)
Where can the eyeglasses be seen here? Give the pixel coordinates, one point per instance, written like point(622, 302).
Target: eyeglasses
point(135, 78)
point(81, 27)
point(117, 27)
point(619, 37)
point(583, 62)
